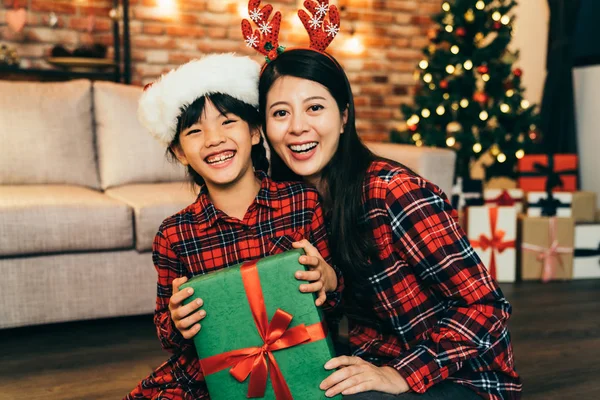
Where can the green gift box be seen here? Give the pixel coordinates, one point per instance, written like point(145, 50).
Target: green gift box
point(251, 301)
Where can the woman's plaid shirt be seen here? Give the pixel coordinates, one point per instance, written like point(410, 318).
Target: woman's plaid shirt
point(428, 306)
point(201, 239)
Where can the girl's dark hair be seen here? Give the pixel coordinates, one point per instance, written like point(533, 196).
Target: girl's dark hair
point(225, 104)
point(343, 177)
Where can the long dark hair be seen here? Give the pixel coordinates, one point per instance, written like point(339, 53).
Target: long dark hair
point(225, 104)
point(351, 246)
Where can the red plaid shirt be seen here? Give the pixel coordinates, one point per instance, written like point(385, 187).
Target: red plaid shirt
point(428, 306)
point(201, 239)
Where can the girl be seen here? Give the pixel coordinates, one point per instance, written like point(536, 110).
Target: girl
point(424, 315)
point(205, 112)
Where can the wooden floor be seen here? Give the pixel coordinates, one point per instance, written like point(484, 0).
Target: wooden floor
point(555, 329)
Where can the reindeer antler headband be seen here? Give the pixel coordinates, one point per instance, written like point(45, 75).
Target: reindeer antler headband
point(322, 27)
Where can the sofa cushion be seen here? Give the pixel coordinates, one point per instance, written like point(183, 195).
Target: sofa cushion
point(42, 219)
point(46, 133)
point(151, 204)
point(127, 153)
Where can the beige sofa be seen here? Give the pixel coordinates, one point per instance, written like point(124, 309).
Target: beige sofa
point(83, 189)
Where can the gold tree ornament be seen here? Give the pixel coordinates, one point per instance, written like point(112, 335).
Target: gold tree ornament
point(470, 15)
point(453, 128)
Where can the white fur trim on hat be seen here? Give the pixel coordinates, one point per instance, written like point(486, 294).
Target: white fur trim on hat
point(160, 104)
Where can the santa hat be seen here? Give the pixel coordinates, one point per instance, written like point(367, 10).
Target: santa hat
point(162, 101)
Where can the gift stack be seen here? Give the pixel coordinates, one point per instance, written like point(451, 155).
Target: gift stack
point(536, 228)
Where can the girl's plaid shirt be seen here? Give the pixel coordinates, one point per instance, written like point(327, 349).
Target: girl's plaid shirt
point(201, 239)
point(427, 306)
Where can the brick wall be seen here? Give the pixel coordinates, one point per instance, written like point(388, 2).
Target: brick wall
point(392, 32)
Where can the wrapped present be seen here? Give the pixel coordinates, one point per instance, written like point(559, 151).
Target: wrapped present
point(584, 207)
point(548, 204)
point(586, 264)
point(258, 324)
point(547, 248)
point(467, 192)
point(492, 233)
point(538, 172)
point(504, 197)
point(500, 182)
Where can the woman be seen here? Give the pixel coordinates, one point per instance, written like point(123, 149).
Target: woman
point(424, 314)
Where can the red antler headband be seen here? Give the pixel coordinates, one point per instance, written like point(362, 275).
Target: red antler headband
point(265, 39)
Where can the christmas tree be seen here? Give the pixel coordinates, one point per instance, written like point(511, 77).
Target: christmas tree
point(469, 97)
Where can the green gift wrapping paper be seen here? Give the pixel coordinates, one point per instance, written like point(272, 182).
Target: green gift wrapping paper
point(229, 325)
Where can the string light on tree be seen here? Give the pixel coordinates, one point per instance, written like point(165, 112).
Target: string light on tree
point(450, 69)
point(451, 141)
point(427, 78)
point(416, 136)
point(480, 5)
point(413, 120)
point(464, 103)
point(469, 16)
point(449, 28)
point(477, 147)
point(510, 93)
point(496, 16)
point(431, 86)
point(504, 108)
point(455, 106)
point(520, 153)
point(440, 110)
point(425, 113)
point(501, 157)
point(454, 49)
point(423, 64)
point(483, 115)
point(468, 65)
point(446, 7)
point(446, 96)
point(485, 77)
point(524, 104)
point(495, 150)
point(505, 19)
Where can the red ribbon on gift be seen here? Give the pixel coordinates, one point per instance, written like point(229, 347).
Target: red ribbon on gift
point(504, 199)
point(495, 242)
point(275, 335)
point(547, 255)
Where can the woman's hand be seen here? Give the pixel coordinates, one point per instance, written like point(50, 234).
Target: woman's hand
point(356, 375)
point(185, 317)
point(321, 276)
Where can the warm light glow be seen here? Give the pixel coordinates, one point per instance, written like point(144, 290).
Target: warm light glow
point(480, 5)
point(495, 150)
point(446, 96)
point(419, 143)
point(450, 69)
point(485, 77)
point(446, 7)
point(354, 45)
point(520, 153)
point(501, 157)
point(510, 93)
point(440, 110)
point(464, 103)
point(505, 19)
point(431, 86)
point(423, 64)
point(425, 113)
point(477, 147)
point(451, 141)
point(454, 106)
point(468, 65)
point(524, 104)
point(449, 28)
point(243, 11)
point(427, 77)
point(496, 16)
point(413, 120)
point(166, 7)
point(483, 115)
point(416, 136)
point(454, 49)
point(504, 108)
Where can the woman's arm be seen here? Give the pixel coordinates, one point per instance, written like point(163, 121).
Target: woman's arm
point(424, 232)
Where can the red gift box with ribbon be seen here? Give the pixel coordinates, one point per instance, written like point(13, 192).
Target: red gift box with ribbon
point(492, 233)
point(538, 171)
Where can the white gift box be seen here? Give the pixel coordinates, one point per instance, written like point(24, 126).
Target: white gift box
point(586, 263)
point(565, 199)
point(491, 197)
point(497, 251)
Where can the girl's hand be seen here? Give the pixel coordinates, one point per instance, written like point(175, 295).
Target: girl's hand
point(355, 375)
point(185, 317)
point(320, 274)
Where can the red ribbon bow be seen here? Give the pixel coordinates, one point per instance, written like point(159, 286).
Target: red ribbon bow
point(504, 199)
point(275, 335)
point(495, 242)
